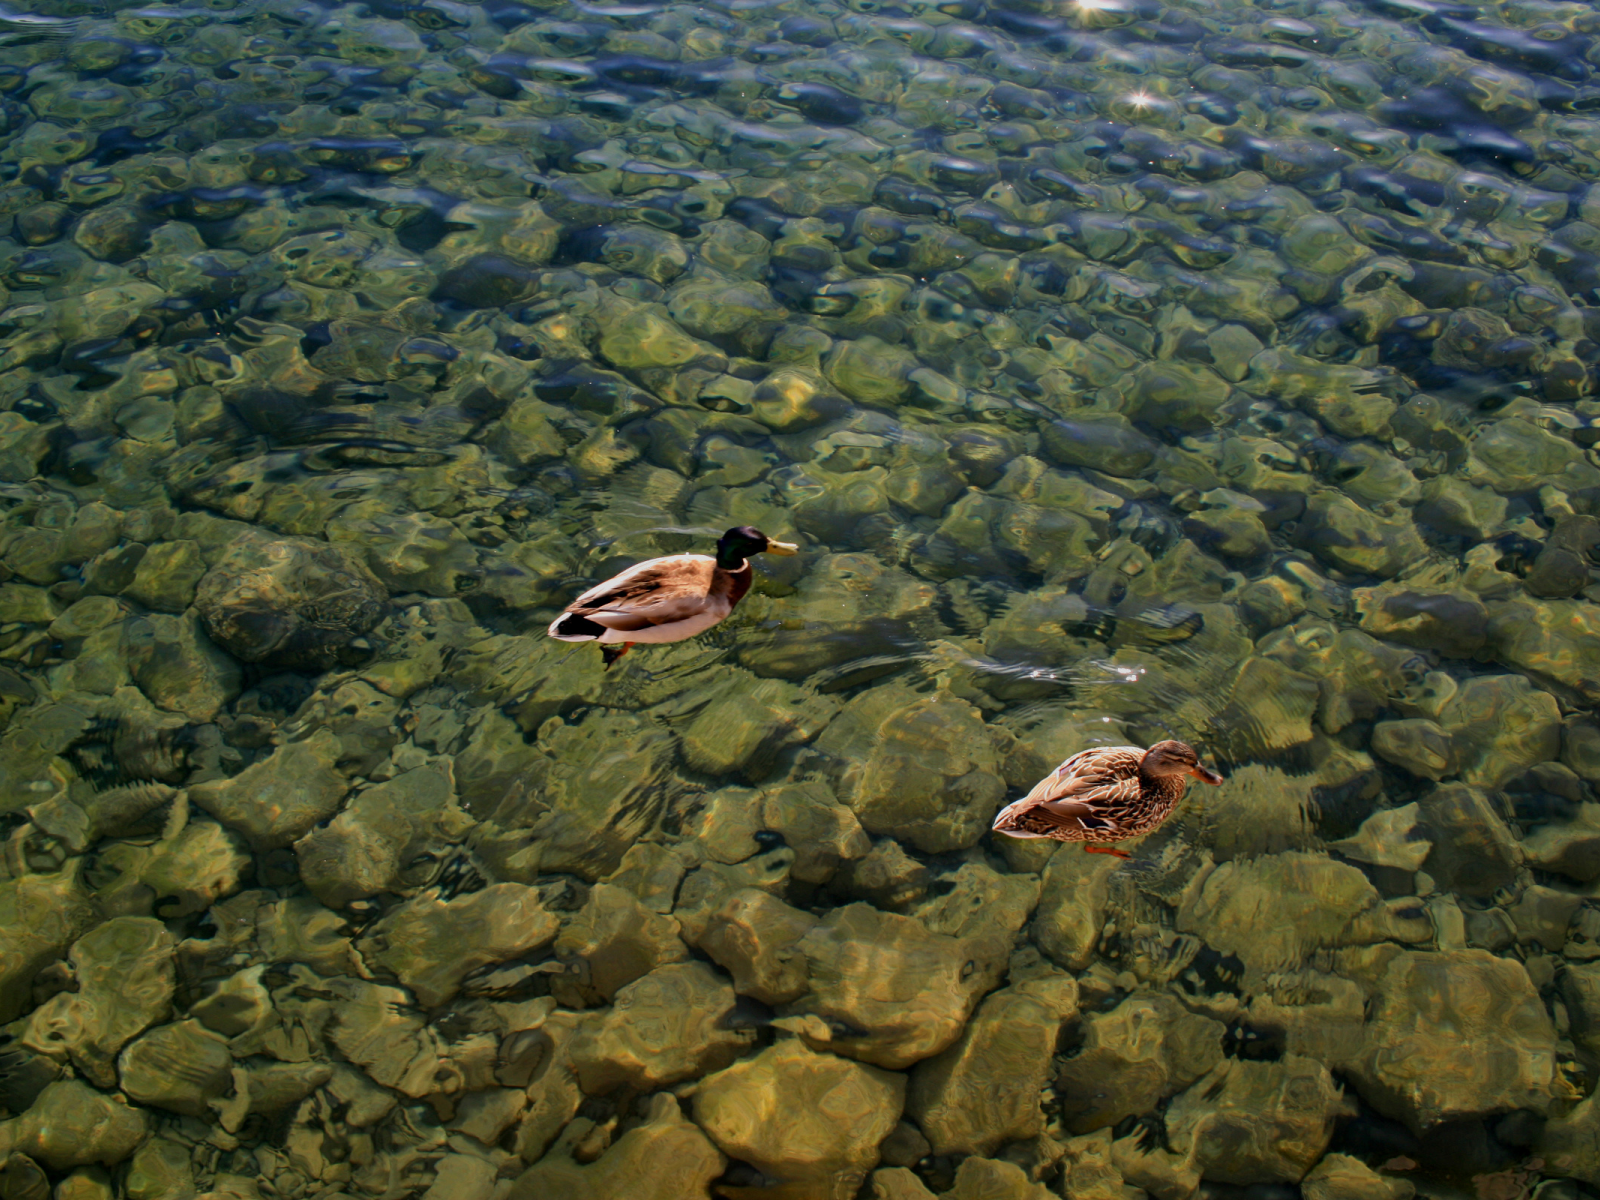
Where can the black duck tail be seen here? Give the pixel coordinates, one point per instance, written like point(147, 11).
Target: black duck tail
point(576, 628)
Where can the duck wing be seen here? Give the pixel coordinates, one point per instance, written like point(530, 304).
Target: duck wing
point(659, 591)
point(1063, 814)
point(1095, 782)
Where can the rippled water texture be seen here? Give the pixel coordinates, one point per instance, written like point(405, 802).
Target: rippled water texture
point(1126, 370)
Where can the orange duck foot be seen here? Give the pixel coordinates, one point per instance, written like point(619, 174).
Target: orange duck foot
point(1088, 849)
point(612, 653)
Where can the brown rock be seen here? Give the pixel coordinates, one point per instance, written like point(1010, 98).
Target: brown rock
point(182, 1067)
point(1273, 911)
point(610, 942)
point(276, 800)
point(887, 990)
point(756, 938)
point(1453, 623)
point(804, 1118)
point(1454, 1035)
point(1473, 850)
point(40, 916)
point(1570, 1144)
point(1501, 725)
point(984, 1091)
point(69, 1124)
point(431, 944)
point(667, 1026)
point(1132, 1058)
point(1258, 1122)
point(1343, 1177)
point(666, 1158)
point(921, 768)
point(1072, 903)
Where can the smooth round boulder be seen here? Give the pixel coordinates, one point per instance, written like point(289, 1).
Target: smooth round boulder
point(288, 602)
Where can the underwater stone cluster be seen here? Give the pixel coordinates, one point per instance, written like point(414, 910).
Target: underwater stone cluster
point(1126, 369)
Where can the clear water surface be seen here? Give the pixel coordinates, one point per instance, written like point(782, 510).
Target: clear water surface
point(1125, 369)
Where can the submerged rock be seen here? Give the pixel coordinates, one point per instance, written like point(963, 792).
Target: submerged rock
point(175, 876)
point(1553, 640)
point(823, 833)
point(461, 1175)
point(124, 972)
point(609, 782)
point(1072, 904)
point(160, 1167)
point(23, 1178)
point(1263, 811)
point(413, 553)
point(1088, 1170)
point(611, 941)
point(1133, 1057)
point(1345, 1177)
point(886, 990)
point(167, 576)
point(1270, 708)
point(1097, 409)
point(1392, 837)
point(976, 900)
point(846, 606)
point(1570, 848)
point(1454, 1035)
point(276, 800)
point(183, 1067)
point(1569, 1143)
point(178, 667)
point(378, 1030)
point(1272, 912)
point(898, 1183)
point(40, 916)
point(72, 1125)
point(666, 1026)
point(1452, 622)
point(746, 723)
point(1419, 746)
point(373, 844)
point(810, 1120)
point(756, 938)
point(1103, 441)
point(431, 944)
point(1502, 725)
point(665, 1158)
point(886, 877)
point(288, 602)
point(1514, 455)
point(979, 1178)
point(984, 1091)
point(920, 768)
point(1258, 1122)
point(1474, 851)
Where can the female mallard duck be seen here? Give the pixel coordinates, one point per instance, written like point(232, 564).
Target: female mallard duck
point(1108, 794)
point(666, 599)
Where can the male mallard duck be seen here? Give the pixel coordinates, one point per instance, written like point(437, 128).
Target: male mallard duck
point(666, 599)
point(1108, 794)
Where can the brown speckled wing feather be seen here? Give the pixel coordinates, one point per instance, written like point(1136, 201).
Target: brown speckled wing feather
point(1054, 819)
point(658, 592)
point(1104, 779)
point(1092, 794)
